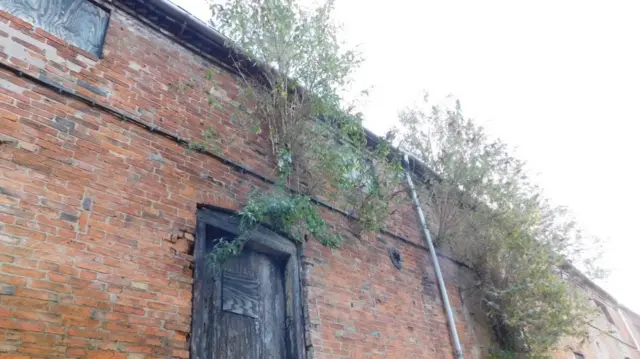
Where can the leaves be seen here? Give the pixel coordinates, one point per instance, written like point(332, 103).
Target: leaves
point(305, 67)
point(482, 207)
point(293, 215)
point(319, 146)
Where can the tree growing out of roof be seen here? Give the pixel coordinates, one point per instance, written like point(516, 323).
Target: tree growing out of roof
point(299, 69)
point(484, 209)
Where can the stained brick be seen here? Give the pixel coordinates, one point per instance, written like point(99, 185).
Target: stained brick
point(25, 272)
point(34, 304)
point(97, 267)
point(20, 325)
point(90, 199)
point(106, 355)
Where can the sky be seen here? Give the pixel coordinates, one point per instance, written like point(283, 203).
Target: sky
point(557, 80)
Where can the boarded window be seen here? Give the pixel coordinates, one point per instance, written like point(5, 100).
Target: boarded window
point(79, 22)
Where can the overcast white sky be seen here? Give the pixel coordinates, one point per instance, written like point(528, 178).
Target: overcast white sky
point(559, 79)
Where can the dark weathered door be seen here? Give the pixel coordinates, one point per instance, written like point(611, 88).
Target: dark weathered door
point(250, 308)
point(252, 315)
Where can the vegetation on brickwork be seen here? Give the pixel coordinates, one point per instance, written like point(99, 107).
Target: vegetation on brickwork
point(319, 145)
point(509, 354)
point(294, 215)
point(480, 202)
point(210, 143)
point(483, 207)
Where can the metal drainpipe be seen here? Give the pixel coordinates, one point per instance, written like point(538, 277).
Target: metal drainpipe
point(434, 258)
point(633, 337)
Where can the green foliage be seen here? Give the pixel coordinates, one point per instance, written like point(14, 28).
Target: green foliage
point(319, 146)
point(366, 182)
point(294, 215)
point(304, 69)
point(505, 354)
point(210, 143)
point(485, 210)
point(298, 42)
point(196, 146)
point(181, 86)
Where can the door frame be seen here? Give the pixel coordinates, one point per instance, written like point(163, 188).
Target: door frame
point(262, 240)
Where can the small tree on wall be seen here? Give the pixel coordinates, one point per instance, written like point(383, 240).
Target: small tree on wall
point(319, 146)
point(480, 202)
point(484, 209)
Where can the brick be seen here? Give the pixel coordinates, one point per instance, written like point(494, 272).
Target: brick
point(80, 322)
point(35, 293)
point(14, 356)
point(17, 22)
point(24, 232)
point(84, 53)
point(97, 267)
point(92, 199)
point(87, 333)
point(54, 277)
point(127, 309)
point(28, 45)
point(25, 272)
point(74, 311)
point(157, 332)
point(20, 325)
point(136, 356)
point(6, 312)
point(5, 258)
point(121, 327)
point(6, 289)
point(180, 353)
point(55, 329)
point(68, 217)
point(51, 286)
point(177, 326)
point(37, 316)
point(75, 352)
point(98, 293)
point(105, 355)
point(85, 274)
point(12, 280)
point(93, 303)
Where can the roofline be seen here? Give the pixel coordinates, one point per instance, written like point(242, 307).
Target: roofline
point(191, 32)
point(597, 288)
point(191, 20)
point(181, 23)
point(230, 56)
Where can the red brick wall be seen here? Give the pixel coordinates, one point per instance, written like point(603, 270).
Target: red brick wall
point(97, 213)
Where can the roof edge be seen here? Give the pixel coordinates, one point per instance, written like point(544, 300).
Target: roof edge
point(184, 23)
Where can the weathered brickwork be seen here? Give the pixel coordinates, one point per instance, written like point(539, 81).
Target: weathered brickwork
point(607, 339)
point(98, 197)
point(97, 214)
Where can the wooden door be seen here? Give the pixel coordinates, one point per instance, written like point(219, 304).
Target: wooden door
point(252, 315)
point(251, 307)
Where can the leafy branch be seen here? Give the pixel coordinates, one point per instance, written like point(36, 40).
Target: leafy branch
point(318, 146)
point(294, 215)
point(484, 209)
